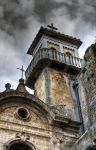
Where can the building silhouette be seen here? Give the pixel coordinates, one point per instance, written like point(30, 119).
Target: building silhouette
point(61, 114)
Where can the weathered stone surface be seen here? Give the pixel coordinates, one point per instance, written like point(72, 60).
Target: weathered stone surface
point(88, 77)
point(83, 104)
point(56, 86)
point(60, 89)
point(40, 87)
point(51, 119)
point(39, 130)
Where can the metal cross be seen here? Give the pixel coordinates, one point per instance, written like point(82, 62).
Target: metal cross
point(22, 70)
point(52, 27)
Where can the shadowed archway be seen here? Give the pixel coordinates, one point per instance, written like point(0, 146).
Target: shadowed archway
point(20, 146)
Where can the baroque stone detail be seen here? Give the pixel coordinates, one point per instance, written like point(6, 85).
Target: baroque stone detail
point(23, 136)
point(30, 99)
point(53, 43)
point(19, 138)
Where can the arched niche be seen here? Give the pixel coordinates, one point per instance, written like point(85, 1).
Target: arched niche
point(19, 145)
point(29, 100)
point(52, 48)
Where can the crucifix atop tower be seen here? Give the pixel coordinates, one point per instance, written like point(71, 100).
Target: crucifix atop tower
point(52, 27)
point(22, 71)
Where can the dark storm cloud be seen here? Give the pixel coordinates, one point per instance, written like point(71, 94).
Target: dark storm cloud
point(14, 13)
point(86, 8)
point(89, 12)
point(43, 8)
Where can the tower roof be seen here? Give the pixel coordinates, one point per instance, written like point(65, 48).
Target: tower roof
point(53, 34)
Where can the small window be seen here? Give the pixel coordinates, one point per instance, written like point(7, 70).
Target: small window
point(69, 51)
point(23, 113)
point(53, 46)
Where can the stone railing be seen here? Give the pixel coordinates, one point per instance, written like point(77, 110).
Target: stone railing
point(53, 55)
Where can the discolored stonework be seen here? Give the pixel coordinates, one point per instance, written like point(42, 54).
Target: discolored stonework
point(61, 115)
point(40, 87)
point(60, 88)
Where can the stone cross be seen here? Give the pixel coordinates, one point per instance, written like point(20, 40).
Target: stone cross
point(52, 27)
point(22, 71)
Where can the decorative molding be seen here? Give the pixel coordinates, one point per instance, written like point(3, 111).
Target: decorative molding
point(23, 136)
point(52, 43)
point(20, 137)
point(68, 48)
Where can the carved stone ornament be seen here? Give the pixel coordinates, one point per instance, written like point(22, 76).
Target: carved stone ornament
point(23, 136)
point(20, 137)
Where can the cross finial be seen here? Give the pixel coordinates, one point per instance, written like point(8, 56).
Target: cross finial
point(22, 70)
point(52, 27)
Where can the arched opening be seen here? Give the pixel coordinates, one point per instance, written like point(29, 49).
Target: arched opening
point(52, 48)
point(68, 53)
point(20, 146)
point(23, 113)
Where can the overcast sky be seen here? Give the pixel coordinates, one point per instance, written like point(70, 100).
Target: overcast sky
point(20, 20)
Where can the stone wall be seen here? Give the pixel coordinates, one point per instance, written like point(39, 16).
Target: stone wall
point(35, 130)
point(88, 77)
point(40, 87)
point(87, 139)
point(60, 89)
point(83, 104)
point(83, 142)
point(53, 87)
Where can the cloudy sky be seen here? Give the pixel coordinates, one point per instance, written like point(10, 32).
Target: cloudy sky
point(20, 20)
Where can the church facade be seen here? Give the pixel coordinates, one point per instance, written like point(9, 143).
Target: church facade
point(61, 114)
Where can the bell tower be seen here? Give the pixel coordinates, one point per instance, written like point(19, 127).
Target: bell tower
point(53, 70)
